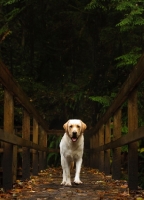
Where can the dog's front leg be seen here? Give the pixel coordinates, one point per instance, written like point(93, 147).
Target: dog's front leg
point(66, 171)
point(78, 169)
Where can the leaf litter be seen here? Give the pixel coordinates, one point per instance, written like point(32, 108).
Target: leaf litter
point(46, 185)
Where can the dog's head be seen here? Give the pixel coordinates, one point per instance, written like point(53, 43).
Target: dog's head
point(74, 128)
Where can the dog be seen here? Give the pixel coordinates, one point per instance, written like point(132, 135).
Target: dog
point(71, 149)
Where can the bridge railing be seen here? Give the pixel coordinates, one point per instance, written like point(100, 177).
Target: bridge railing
point(10, 142)
point(106, 138)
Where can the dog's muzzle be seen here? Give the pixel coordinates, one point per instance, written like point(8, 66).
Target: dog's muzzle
point(74, 137)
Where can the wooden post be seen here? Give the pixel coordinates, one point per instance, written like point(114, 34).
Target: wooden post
point(45, 145)
point(94, 154)
point(15, 149)
point(101, 154)
point(35, 152)
point(116, 163)
point(42, 142)
point(107, 152)
point(8, 148)
point(133, 147)
point(26, 151)
point(97, 153)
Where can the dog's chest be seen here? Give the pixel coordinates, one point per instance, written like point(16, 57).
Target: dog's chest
point(74, 151)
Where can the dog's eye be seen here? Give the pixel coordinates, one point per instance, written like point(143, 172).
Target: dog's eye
point(78, 126)
point(71, 126)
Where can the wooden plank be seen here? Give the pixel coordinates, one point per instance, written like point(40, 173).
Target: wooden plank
point(35, 152)
point(94, 154)
point(136, 135)
point(8, 148)
point(135, 77)
point(49, 132)
point(14, 164)
point(107, 152)
point(13, 139)
point(26, 151)
point(101, 153)
point(41, 142)
point(97, 153)
point(45, 141)
point(8, 81)
point(116, 161)
point(133, 147)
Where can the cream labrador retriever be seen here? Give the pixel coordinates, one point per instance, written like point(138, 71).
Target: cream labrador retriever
point(71, 149)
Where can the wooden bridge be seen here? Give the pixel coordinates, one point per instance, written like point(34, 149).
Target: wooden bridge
point(105, 138)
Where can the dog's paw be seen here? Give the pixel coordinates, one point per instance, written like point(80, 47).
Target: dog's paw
point(66, 183)
point(77, 182)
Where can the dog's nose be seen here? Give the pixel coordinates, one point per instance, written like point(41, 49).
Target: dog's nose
point(75, 134)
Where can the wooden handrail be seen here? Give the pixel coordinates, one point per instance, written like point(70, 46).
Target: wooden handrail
point(13, 139)
point(123, 140)
point(12, 86)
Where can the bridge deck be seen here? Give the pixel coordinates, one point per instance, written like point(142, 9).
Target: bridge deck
point(46, 186)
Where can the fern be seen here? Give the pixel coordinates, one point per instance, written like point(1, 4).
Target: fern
point(104, 100)
point(133, 15)
point(130, 58)
point(96, 4)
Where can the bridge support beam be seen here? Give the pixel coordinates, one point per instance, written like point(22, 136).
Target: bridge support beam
point(107, 152)
point(132, 147)
point(116, 164)
point(8, 148)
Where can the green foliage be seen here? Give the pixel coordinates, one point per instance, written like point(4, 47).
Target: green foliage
point(96, 4)
point(129, 59)
point(53, 159)
point(104, 100)
point(124, 148)
point(133, 15)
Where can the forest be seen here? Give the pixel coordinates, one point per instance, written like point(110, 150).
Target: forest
point(71, 57)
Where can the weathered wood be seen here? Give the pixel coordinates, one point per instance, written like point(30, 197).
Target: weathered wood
point(56, 132)
point(132, 147)
point(26, 151)
point(14, 162)
point(96, 153)
point(116, 162)
point(135, 77)
point(107, 152)
point(101, 153)
point(45, 140)
point(8, 81)
point(35, 152)
point(13, 139)
point(123, 140)
point(8, 148)
point(42, 142)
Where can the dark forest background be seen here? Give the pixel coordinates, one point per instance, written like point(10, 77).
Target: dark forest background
point(71, 57)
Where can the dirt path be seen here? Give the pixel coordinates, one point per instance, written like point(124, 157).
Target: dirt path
point(96, 186)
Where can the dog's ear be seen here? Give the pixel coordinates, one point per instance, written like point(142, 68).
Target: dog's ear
point(84, 126)
point(65, 126)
